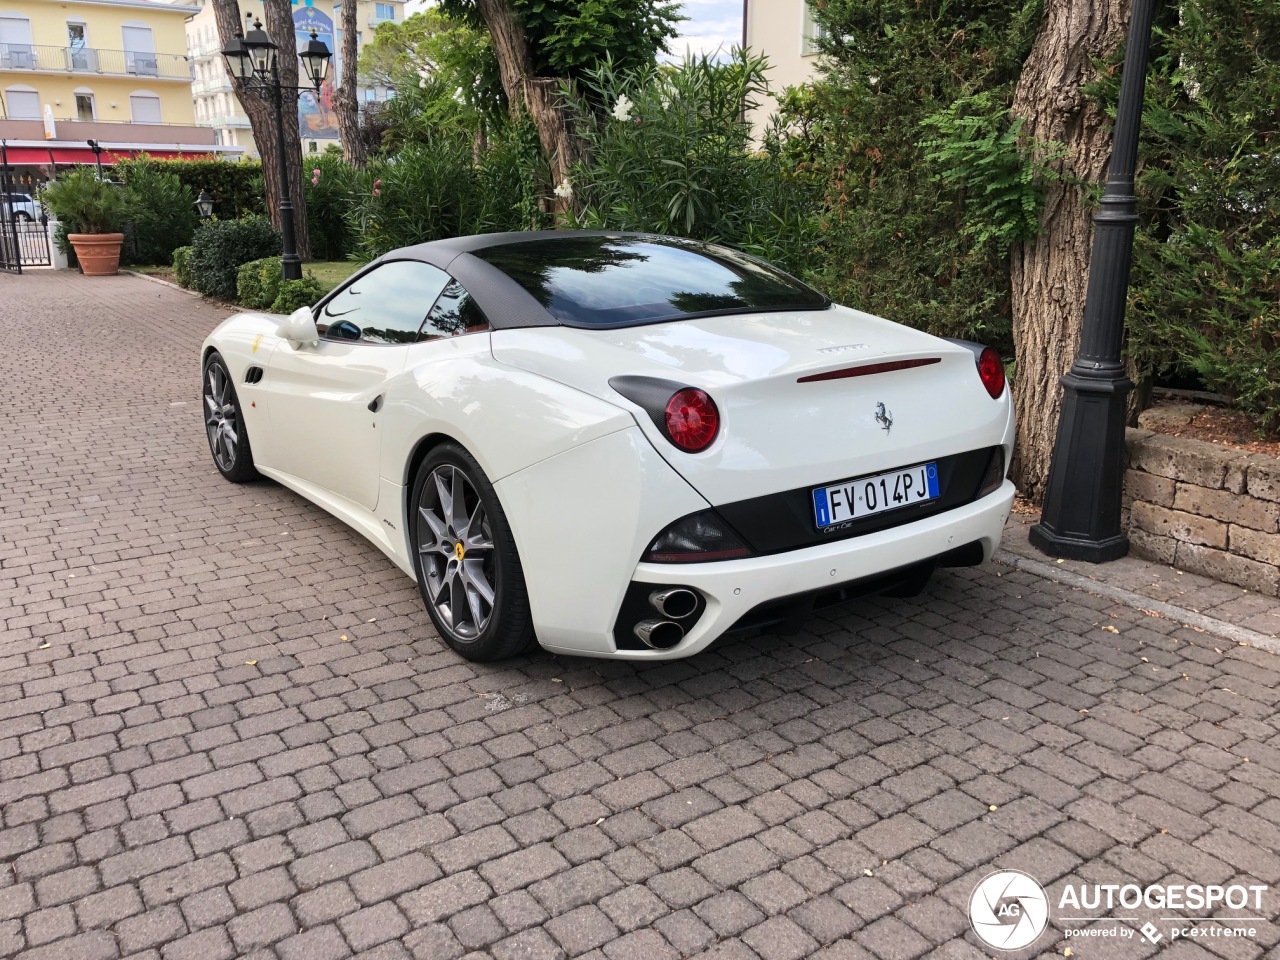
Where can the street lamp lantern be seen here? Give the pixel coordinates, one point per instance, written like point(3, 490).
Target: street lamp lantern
point(315, 59)
point(239, 64)
point(204, 205)
point(262, 50)
point(252, 61)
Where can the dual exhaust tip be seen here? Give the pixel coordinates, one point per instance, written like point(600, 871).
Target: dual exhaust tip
point(673, 603)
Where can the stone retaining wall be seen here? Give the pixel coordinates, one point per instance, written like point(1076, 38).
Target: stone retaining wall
point(1205, 508)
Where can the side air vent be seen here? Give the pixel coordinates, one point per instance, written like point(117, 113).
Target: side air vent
point(253, 375)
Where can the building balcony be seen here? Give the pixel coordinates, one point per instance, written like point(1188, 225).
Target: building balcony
point(217, 85)
point(40, 58)
point(230, 121)
point(374, 20)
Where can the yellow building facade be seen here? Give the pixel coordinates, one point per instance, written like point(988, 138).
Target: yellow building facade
point(111, 76)
point(105, 61)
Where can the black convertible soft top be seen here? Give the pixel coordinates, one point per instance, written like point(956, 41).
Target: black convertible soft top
point(593, 279)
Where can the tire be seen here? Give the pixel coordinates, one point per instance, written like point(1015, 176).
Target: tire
point(466, 560)
point(224, 427)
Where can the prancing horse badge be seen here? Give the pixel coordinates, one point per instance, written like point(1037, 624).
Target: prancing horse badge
point(884, 417)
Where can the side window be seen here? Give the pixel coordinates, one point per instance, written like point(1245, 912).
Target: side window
point(455, 313)
point(385, 305)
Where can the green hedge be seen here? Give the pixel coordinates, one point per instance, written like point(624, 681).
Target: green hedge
point(221, 246)
point(235, 185)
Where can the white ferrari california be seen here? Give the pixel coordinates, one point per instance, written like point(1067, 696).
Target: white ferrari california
point(619, 445)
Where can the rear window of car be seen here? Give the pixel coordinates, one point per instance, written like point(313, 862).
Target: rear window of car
point(626, 281)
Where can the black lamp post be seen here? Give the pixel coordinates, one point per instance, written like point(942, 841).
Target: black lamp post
point(252, 59)
point(204, 205)
point(96, 147)
point(1081, 518)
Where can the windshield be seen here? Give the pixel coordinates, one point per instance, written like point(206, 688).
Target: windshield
point(624, 281)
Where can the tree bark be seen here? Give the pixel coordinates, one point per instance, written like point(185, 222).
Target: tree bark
point(262, 117)
point(1050, 274)
point(539, 95)
point(345, 103)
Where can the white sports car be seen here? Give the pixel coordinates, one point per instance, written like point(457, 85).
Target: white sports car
point(621, 445)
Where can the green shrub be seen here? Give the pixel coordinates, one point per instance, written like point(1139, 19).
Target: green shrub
point(182, 266)
point(1205, 296)
point(84, 203)
point(163, 213)
point(297, 293)
point(221, 246)
point(1220, 306)
point(258, 283)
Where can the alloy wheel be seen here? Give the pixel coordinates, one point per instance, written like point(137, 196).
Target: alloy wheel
point(221, 418)
point(455, 545)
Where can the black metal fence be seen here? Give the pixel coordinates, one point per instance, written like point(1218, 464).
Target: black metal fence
point(23, 242)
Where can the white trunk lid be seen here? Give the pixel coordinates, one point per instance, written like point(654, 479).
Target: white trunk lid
point(777, 433)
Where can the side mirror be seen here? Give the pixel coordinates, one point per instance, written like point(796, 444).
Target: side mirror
point(299, 328)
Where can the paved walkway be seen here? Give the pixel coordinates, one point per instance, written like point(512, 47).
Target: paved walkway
point(227, 729)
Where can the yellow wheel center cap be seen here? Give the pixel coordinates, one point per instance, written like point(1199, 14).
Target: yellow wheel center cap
point(458, 550)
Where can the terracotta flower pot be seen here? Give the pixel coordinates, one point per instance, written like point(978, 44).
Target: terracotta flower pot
point(98, 253)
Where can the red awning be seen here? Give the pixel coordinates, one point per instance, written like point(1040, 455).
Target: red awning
point(43, 155)
point(27, 155)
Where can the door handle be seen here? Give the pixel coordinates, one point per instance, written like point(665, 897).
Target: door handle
point(375, 403)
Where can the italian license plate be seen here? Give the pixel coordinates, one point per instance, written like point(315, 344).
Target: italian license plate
point(839, 503)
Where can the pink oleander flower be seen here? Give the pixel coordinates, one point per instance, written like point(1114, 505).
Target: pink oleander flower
point(377, 184)
point(377, 192)
point(316, 172)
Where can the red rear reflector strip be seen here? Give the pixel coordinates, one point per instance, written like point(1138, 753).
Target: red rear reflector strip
point(870, 368)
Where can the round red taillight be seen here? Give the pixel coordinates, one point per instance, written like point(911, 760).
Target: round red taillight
point(692, 419)
point(991, 370)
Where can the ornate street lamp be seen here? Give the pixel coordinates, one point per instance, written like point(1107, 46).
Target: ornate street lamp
point(1081, 518)
point(253, 60)
point(204, 205)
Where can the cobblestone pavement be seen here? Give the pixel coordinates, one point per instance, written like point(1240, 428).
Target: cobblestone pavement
point(227, 729)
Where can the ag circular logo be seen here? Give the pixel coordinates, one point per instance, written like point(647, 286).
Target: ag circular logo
point(1008, 910)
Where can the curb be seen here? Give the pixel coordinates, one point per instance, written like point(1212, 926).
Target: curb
point(1242, 636)
point(163, 283)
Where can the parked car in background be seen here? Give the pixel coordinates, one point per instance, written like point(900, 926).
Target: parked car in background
point(22, 206)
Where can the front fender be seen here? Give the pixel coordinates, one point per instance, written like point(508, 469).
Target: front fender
point(247, 340)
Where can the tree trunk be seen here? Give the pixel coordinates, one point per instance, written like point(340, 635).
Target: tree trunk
point(262, 117)
point(1050, 273)
point(539, 95)
point(354, 149)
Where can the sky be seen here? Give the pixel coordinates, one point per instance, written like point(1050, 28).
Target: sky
point(711, 24)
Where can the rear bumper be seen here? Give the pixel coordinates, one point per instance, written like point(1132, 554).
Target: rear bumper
point(733, 589)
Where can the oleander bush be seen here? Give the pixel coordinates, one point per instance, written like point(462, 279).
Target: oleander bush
point(161, 209)
point(669, 151)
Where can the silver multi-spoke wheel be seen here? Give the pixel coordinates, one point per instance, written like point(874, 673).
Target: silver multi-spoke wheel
point(456, 548)
point(221, 418)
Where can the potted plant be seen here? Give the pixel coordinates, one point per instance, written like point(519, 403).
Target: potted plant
point(94, 208)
